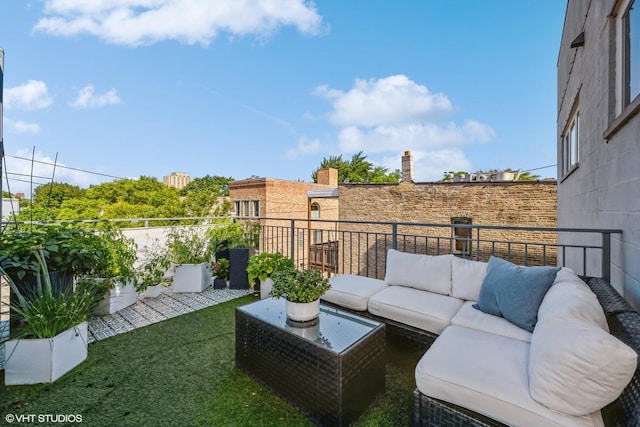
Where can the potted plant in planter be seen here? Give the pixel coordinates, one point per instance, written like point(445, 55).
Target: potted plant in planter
point(262, 266)
point(66, 251)
point(52, 338)
point(115, 271)
point(190, 252)
point(151, 270)
point(241, 247)
point(220, 270)
point(302, 289)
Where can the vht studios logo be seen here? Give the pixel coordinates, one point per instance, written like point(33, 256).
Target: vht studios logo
point(43, 418)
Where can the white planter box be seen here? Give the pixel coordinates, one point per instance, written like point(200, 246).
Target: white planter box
point(265, 287)
point(117, 298)
point(33, 361)
point(191, 277)
point(152, 291)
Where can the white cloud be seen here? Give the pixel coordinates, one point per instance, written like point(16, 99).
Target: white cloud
point(32, 95)
point(88, 99)
point(394, 114)
point(20, 171)
point(390, 100)
point(18, 126)
point(304, 148)
point(136, 22)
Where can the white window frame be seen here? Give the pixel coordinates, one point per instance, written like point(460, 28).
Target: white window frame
point(624, 96)
point(315, 210)
point(571, 143)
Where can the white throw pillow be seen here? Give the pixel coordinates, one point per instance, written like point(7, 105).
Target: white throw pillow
point(577, 368)
point(466, 278)
point(570, 299)
point(426, 272)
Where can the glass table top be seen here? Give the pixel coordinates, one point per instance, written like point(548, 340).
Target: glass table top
point(335, 330)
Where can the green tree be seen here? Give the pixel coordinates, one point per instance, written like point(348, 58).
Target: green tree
point(52, 195)
point(206, 196)
point(358, 169)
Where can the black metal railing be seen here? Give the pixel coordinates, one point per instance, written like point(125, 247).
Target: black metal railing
point(359, 247)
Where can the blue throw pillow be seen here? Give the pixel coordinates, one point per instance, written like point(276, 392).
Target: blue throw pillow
point(515, 292)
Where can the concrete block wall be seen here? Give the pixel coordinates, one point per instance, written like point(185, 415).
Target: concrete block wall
point(604, 191)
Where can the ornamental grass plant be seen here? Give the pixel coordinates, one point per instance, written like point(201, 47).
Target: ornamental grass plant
point(44, 313)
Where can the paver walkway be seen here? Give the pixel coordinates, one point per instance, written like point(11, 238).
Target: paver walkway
point(151, 310)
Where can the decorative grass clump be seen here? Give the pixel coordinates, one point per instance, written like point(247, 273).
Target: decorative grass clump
point(181, 372)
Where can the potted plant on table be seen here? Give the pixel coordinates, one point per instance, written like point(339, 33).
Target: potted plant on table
point(220, 270)
point(190, 252)
point(52, 336)
point(262, 266)
point(302, 289)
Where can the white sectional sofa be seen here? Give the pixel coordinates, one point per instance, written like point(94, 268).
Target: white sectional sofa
point(543, 357)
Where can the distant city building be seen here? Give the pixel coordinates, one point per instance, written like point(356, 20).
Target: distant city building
point(177, 179)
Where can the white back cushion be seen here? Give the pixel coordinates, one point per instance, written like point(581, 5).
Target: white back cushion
point(426, 272)
point(466, 278)
point(569, 298)
point(576, 368)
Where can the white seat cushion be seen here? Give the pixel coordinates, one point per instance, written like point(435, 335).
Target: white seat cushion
point(466, 278)
point(352, 291)
point(488, 374)
point(424, 310)
point(470, 317)
point(426, 272)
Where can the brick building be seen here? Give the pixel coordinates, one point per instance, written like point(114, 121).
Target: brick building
point(267, 199)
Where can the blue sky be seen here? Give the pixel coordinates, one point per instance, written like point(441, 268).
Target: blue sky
point(271, 87)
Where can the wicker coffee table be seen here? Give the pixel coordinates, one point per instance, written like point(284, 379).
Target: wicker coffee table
point(331, 370)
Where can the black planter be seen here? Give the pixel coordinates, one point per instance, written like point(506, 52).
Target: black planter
point(219, 283)
point(238, 262)
point(61, 283)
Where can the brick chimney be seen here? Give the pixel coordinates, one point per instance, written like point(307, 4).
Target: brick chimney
point(328, 176)
point(407, 167)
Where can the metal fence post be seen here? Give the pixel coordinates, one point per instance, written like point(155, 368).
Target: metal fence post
point(394, 236)
point(606, 255)
point(293, 240)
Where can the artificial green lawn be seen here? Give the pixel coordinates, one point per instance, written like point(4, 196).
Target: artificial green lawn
point(181, 372)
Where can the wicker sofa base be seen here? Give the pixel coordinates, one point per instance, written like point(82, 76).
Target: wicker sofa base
point(428, 411)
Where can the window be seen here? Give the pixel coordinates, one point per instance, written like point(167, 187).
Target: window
point(245, 208)
point(237, 206)
point(462, 236)
point(627, 53)
point(256, 208)
point(631, 52)
point(571, 144)
point(315, 210)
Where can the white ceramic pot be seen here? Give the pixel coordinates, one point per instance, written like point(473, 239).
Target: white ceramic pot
point(303, 311)
point(33, 361)
point(265, 288)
